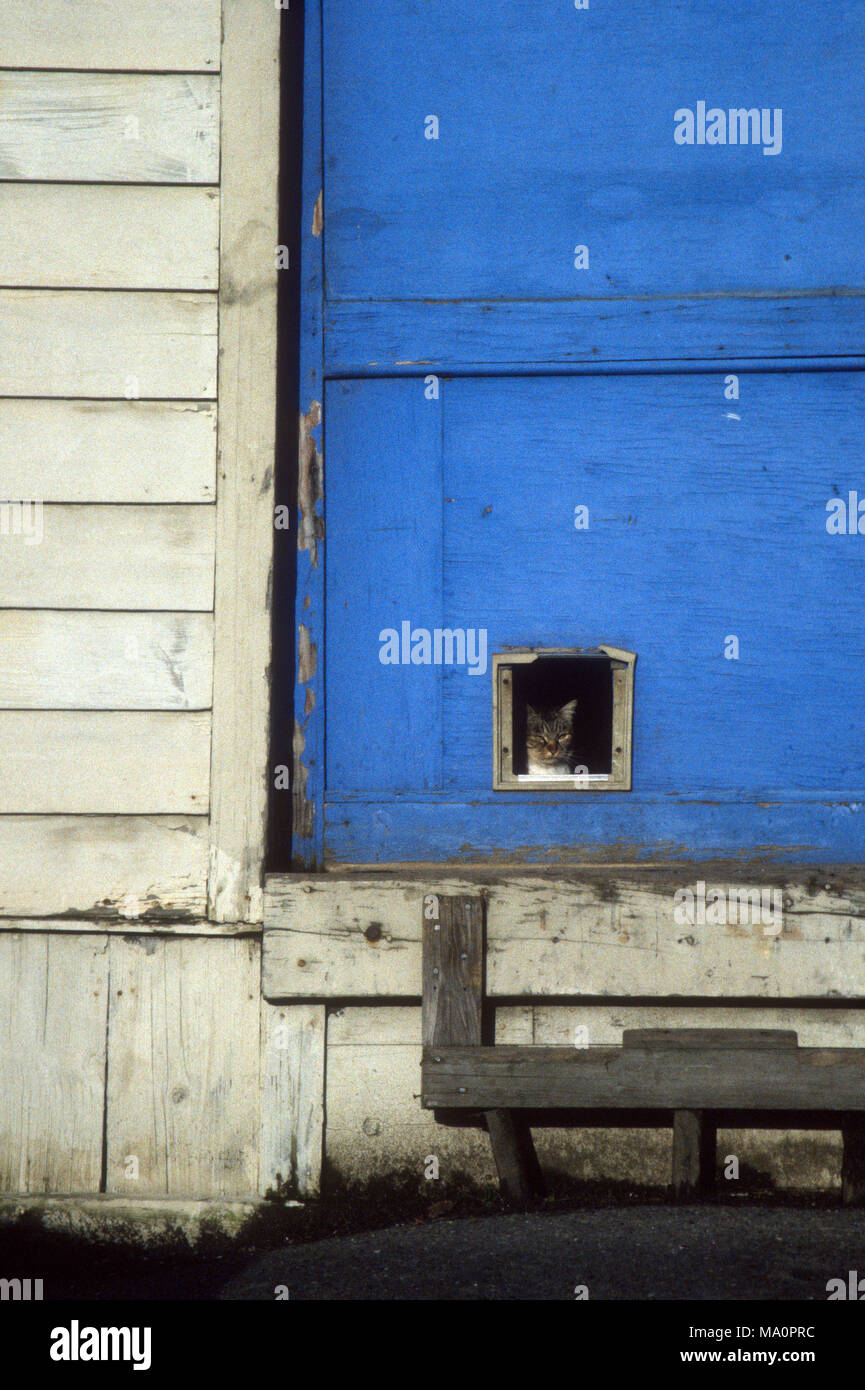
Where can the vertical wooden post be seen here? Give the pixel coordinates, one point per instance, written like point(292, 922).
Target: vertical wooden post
point(853, 1162)
point(694, 1139)
point(453, 995)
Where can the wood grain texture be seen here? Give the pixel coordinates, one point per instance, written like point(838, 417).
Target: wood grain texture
point(53, 1007)
point(109, 237)
point(94, 763)
point(154, 557)
point(595, 335)
point(247, 418)
point(694, 1140)
point(535, 1078)
point(603, 933)
point(520, 1176)
point(183, 1069)
point(682, 1039)
point(108, 451)
point(106, 343)
point(113, 866)
point(172, 34)
point(117, 661)
point(85, 127)
point(292, 1098)
point(453, 970)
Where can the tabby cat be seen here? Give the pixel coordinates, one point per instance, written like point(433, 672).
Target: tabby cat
point(549, 740)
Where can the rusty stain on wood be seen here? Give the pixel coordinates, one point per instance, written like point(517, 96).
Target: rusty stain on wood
point(310, 485)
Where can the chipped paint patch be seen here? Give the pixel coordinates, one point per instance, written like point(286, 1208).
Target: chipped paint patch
point(307, 656)
point(318, 214)
point(310, 486)
point(303, 809)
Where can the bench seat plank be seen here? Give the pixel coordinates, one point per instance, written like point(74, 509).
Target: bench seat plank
point(708, 1078)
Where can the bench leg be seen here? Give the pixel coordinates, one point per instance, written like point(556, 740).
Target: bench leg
point(694, 1139)
point(520, 1176)
point(853, 1163)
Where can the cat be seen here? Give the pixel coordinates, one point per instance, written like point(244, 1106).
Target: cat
point(549, 740)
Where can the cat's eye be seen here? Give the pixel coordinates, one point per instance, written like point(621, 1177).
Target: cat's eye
point(593, 689)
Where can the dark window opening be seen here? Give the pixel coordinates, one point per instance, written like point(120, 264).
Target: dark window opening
point(549, 685)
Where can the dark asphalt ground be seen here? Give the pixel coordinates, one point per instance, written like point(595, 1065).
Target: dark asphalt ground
point(644, 1253)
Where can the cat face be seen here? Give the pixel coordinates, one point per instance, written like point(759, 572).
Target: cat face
point(549, 735)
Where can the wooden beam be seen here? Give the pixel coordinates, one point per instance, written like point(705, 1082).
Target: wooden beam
point(247, 424)
point(292, 1098)
point(453, 966)
point(594, 933)
point(694, 1137)
point(853, 1161)
point(623, 1078)
point(452, 1015)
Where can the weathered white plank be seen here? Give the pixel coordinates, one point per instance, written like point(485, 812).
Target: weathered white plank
point(108, 451)
point(599, 1025)
point(609, 934)
point(107, 343)
point(109, 236)
point(95, 762)
point(183, 1067)
point(106, 557)
point(174, 35)
point(53, 1004)
point(127, 865)
point(86, 127)
point(247, 416)
point(117, 661)
point(292, 1098)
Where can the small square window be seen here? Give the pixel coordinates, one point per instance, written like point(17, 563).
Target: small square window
point(562, 719)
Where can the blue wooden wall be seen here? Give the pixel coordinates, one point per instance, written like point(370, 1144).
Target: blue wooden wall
point(697, 386)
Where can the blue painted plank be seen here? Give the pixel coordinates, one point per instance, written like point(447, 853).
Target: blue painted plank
point(384, 508)
point(473, 337)
point(557, 129)
point(605, 829)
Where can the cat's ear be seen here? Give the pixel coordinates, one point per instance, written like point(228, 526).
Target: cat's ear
point(532, 716)
point(567, 711)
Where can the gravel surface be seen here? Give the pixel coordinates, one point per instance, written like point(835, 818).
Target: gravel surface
point(633, 1253)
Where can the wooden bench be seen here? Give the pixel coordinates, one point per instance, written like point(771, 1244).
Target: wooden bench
point(696, 1079)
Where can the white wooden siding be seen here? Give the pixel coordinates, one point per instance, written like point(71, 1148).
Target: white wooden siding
point(93, 127)
point(53, 1008)
point(109, 236)
point(108, 451)
point(154, 34)
point(107, 343)
point(110, 557)
point(105, 660)
point(183, 1072)
point(100, 865)
point(90, 762)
